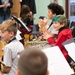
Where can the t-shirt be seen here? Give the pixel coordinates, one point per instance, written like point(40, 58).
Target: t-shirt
point(11, 51)
point(51, 29)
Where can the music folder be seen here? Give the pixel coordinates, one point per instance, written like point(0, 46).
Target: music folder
point(57, 64)
point(71, 49)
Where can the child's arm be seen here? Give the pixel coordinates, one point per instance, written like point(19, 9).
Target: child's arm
point(3, 68)
point(6, 69)
point(7, 59)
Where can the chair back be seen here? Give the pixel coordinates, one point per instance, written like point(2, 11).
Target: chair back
point(68, 41)
point(72, 26)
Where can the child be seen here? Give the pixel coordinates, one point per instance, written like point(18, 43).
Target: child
point(64, 34)
point(53, 10)
point(13, 47)
point(26, 15)
point(32, 61)
point(27, 18)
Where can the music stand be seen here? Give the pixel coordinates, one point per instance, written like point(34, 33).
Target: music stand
point(22, 23)
point(56, 62)
point(68, 41)
point(72, 63)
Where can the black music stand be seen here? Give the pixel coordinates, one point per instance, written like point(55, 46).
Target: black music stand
point(22, 23)
point(72, 63)
point(68, 41)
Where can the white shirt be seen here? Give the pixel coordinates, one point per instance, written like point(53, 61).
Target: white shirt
point(52, 29)
point(11, 51)
point(20, 0)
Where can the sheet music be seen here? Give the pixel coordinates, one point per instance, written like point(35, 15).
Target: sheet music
point(71, 50)
point(18, 35)
point(20, 0)
point(57, 64)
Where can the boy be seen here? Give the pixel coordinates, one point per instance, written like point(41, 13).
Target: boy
point(13, 47)
point(53, 10)
point(65, 33)
point(32, 61)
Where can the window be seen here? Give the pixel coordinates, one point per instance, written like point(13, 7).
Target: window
point(70, 9)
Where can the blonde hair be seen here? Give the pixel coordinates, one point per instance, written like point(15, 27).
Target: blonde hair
point(9, 26)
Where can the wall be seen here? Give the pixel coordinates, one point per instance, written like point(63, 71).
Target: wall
point(62, 3)
point(41, 6)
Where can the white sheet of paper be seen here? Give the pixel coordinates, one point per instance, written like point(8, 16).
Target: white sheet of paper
point(71, 50)
point(18, 35)
point(20, 0)
point(57, 64)
point(18, 32)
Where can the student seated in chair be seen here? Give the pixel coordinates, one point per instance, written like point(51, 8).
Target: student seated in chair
point(27, 17)
point(32, 61)
point(64, 34)
point(53, 10)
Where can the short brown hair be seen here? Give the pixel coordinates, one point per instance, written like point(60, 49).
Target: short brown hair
point(9, 25)
point(33, 62)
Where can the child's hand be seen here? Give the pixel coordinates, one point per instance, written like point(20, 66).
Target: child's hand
point(46, 35)
point(45, 20)
point(31, 16)
point(41, 23)
point(31, 13)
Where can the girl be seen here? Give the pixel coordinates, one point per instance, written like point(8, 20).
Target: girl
point(26, 15)
point(27, 18)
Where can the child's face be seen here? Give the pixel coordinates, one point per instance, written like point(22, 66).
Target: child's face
point(57, 25)
point(50, 14)
point(6, 36)
point(0, 73)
